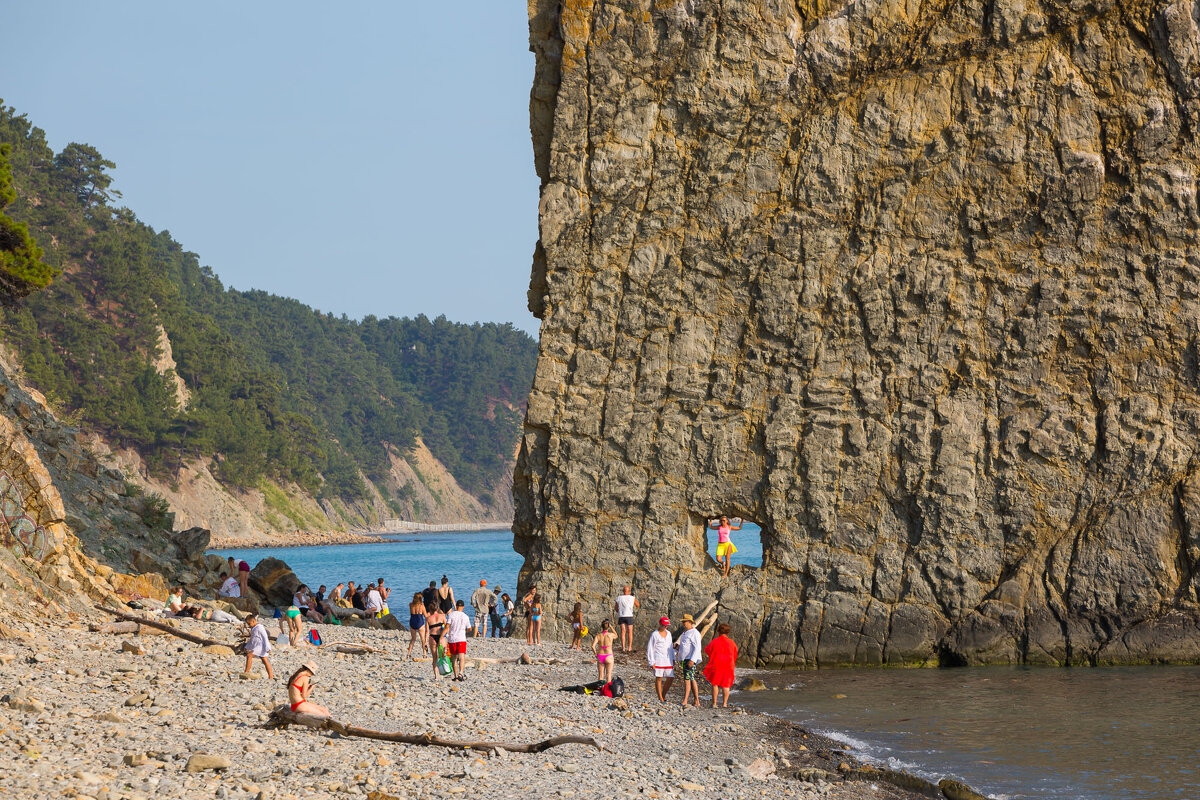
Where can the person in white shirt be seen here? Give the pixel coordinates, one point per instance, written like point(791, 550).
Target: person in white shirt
point(374, 602)
point(457, 624)
point(229, 587)
point(689, 654)
point(624, 608)
point(259, 645)
point(660, 654)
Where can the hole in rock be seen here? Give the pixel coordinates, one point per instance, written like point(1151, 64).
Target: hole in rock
point(748, 541)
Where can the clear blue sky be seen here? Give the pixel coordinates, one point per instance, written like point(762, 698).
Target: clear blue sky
point(365, 158)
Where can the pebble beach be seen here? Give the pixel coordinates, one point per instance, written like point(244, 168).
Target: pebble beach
point(86, 714)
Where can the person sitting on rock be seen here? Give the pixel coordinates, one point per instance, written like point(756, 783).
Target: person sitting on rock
point(229, 586)
point(174, 602)
point(299, 688)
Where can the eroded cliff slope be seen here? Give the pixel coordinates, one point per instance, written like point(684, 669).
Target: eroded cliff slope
point(912, 284)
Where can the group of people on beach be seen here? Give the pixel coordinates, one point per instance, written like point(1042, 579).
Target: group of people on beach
point(439, 624)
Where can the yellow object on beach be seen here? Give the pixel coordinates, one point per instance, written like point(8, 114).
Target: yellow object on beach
point(583, 631)
point(725, 547)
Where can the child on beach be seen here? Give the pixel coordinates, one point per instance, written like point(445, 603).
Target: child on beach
point(576, 620)
point(602, 646)
point(258, 645)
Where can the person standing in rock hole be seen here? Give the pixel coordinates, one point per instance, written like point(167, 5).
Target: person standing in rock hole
point(725, 548)
point(625, 607)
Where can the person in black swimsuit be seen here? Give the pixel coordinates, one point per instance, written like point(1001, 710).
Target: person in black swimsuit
point(435, 623)
point(446, 596)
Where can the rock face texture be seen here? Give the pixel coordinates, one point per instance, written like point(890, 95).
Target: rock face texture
point(914, 285)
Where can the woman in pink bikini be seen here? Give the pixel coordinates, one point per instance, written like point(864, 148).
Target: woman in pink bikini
point(602, 646)
point(299, 688)
point(725, 548)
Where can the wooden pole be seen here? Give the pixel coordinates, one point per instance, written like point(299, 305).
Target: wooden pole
point(704, 613)
point(191, 637)
point(283, 716)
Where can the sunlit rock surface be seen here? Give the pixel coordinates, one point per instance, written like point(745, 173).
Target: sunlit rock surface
point(912, 284)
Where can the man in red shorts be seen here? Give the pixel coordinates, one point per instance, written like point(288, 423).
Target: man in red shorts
point(456, 638)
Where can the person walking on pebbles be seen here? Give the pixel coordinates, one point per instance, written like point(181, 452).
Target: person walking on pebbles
point(689, 656)
point(660, 654)
point(300, 687)
point(457, 623)
point(258, 646)
point(625, 607)
point(725, 548)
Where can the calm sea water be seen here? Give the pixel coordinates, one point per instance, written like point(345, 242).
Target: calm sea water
point(406, 565)
point(1086, 734)
point(1023, 734)
point(411, 562)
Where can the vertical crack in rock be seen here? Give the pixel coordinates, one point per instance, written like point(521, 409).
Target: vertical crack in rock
point(914, 285)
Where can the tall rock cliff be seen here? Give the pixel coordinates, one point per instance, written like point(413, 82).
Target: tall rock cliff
point(912, 284)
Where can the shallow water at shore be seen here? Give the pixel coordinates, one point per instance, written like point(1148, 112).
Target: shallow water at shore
point(1085, 734)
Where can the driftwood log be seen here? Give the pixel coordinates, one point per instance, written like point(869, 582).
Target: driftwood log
point(162, 626)
point(283, 716)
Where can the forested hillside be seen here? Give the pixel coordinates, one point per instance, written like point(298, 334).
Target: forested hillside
point(271, 388)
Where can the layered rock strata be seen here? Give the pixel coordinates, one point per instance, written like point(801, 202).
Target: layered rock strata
point(912, 284)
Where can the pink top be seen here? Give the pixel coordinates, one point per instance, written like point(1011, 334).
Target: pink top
point(723, 534)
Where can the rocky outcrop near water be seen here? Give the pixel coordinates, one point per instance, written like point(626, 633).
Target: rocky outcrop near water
point(912, 285)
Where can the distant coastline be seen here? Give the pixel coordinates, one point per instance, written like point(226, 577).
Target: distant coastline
point(329, 538)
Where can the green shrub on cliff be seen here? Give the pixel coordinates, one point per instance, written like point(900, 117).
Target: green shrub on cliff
point(21, 268)
point(274, 389)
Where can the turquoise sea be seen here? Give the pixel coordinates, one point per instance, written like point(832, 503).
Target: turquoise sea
point(1015, 733)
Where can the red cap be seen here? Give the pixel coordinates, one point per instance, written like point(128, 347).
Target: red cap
point(664, 621)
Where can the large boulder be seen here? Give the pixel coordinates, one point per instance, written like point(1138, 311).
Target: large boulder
point(274, 580)
point(192, 543)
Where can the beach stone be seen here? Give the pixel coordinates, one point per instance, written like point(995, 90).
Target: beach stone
point(135, 759)
point(274, 580)
point(217, 650)
point(249, 676)
point(7, 658)
point(131, 646)
point(200, 762)
point(110, 716)
point(752, 685)
point(957, 790)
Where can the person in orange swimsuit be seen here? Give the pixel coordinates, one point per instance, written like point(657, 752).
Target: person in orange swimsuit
point(299, 688)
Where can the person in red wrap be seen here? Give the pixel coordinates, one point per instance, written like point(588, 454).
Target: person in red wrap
point(722, 654)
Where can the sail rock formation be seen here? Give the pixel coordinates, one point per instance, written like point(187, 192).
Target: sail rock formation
point(913, 284)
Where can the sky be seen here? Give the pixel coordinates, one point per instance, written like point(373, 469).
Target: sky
point(364, 158)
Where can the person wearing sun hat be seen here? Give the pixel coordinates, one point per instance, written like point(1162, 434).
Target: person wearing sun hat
point(660, 654)
point(299, 687)
point(689, 655)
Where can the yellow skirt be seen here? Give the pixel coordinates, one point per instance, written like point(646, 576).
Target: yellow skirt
point(725, 548)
